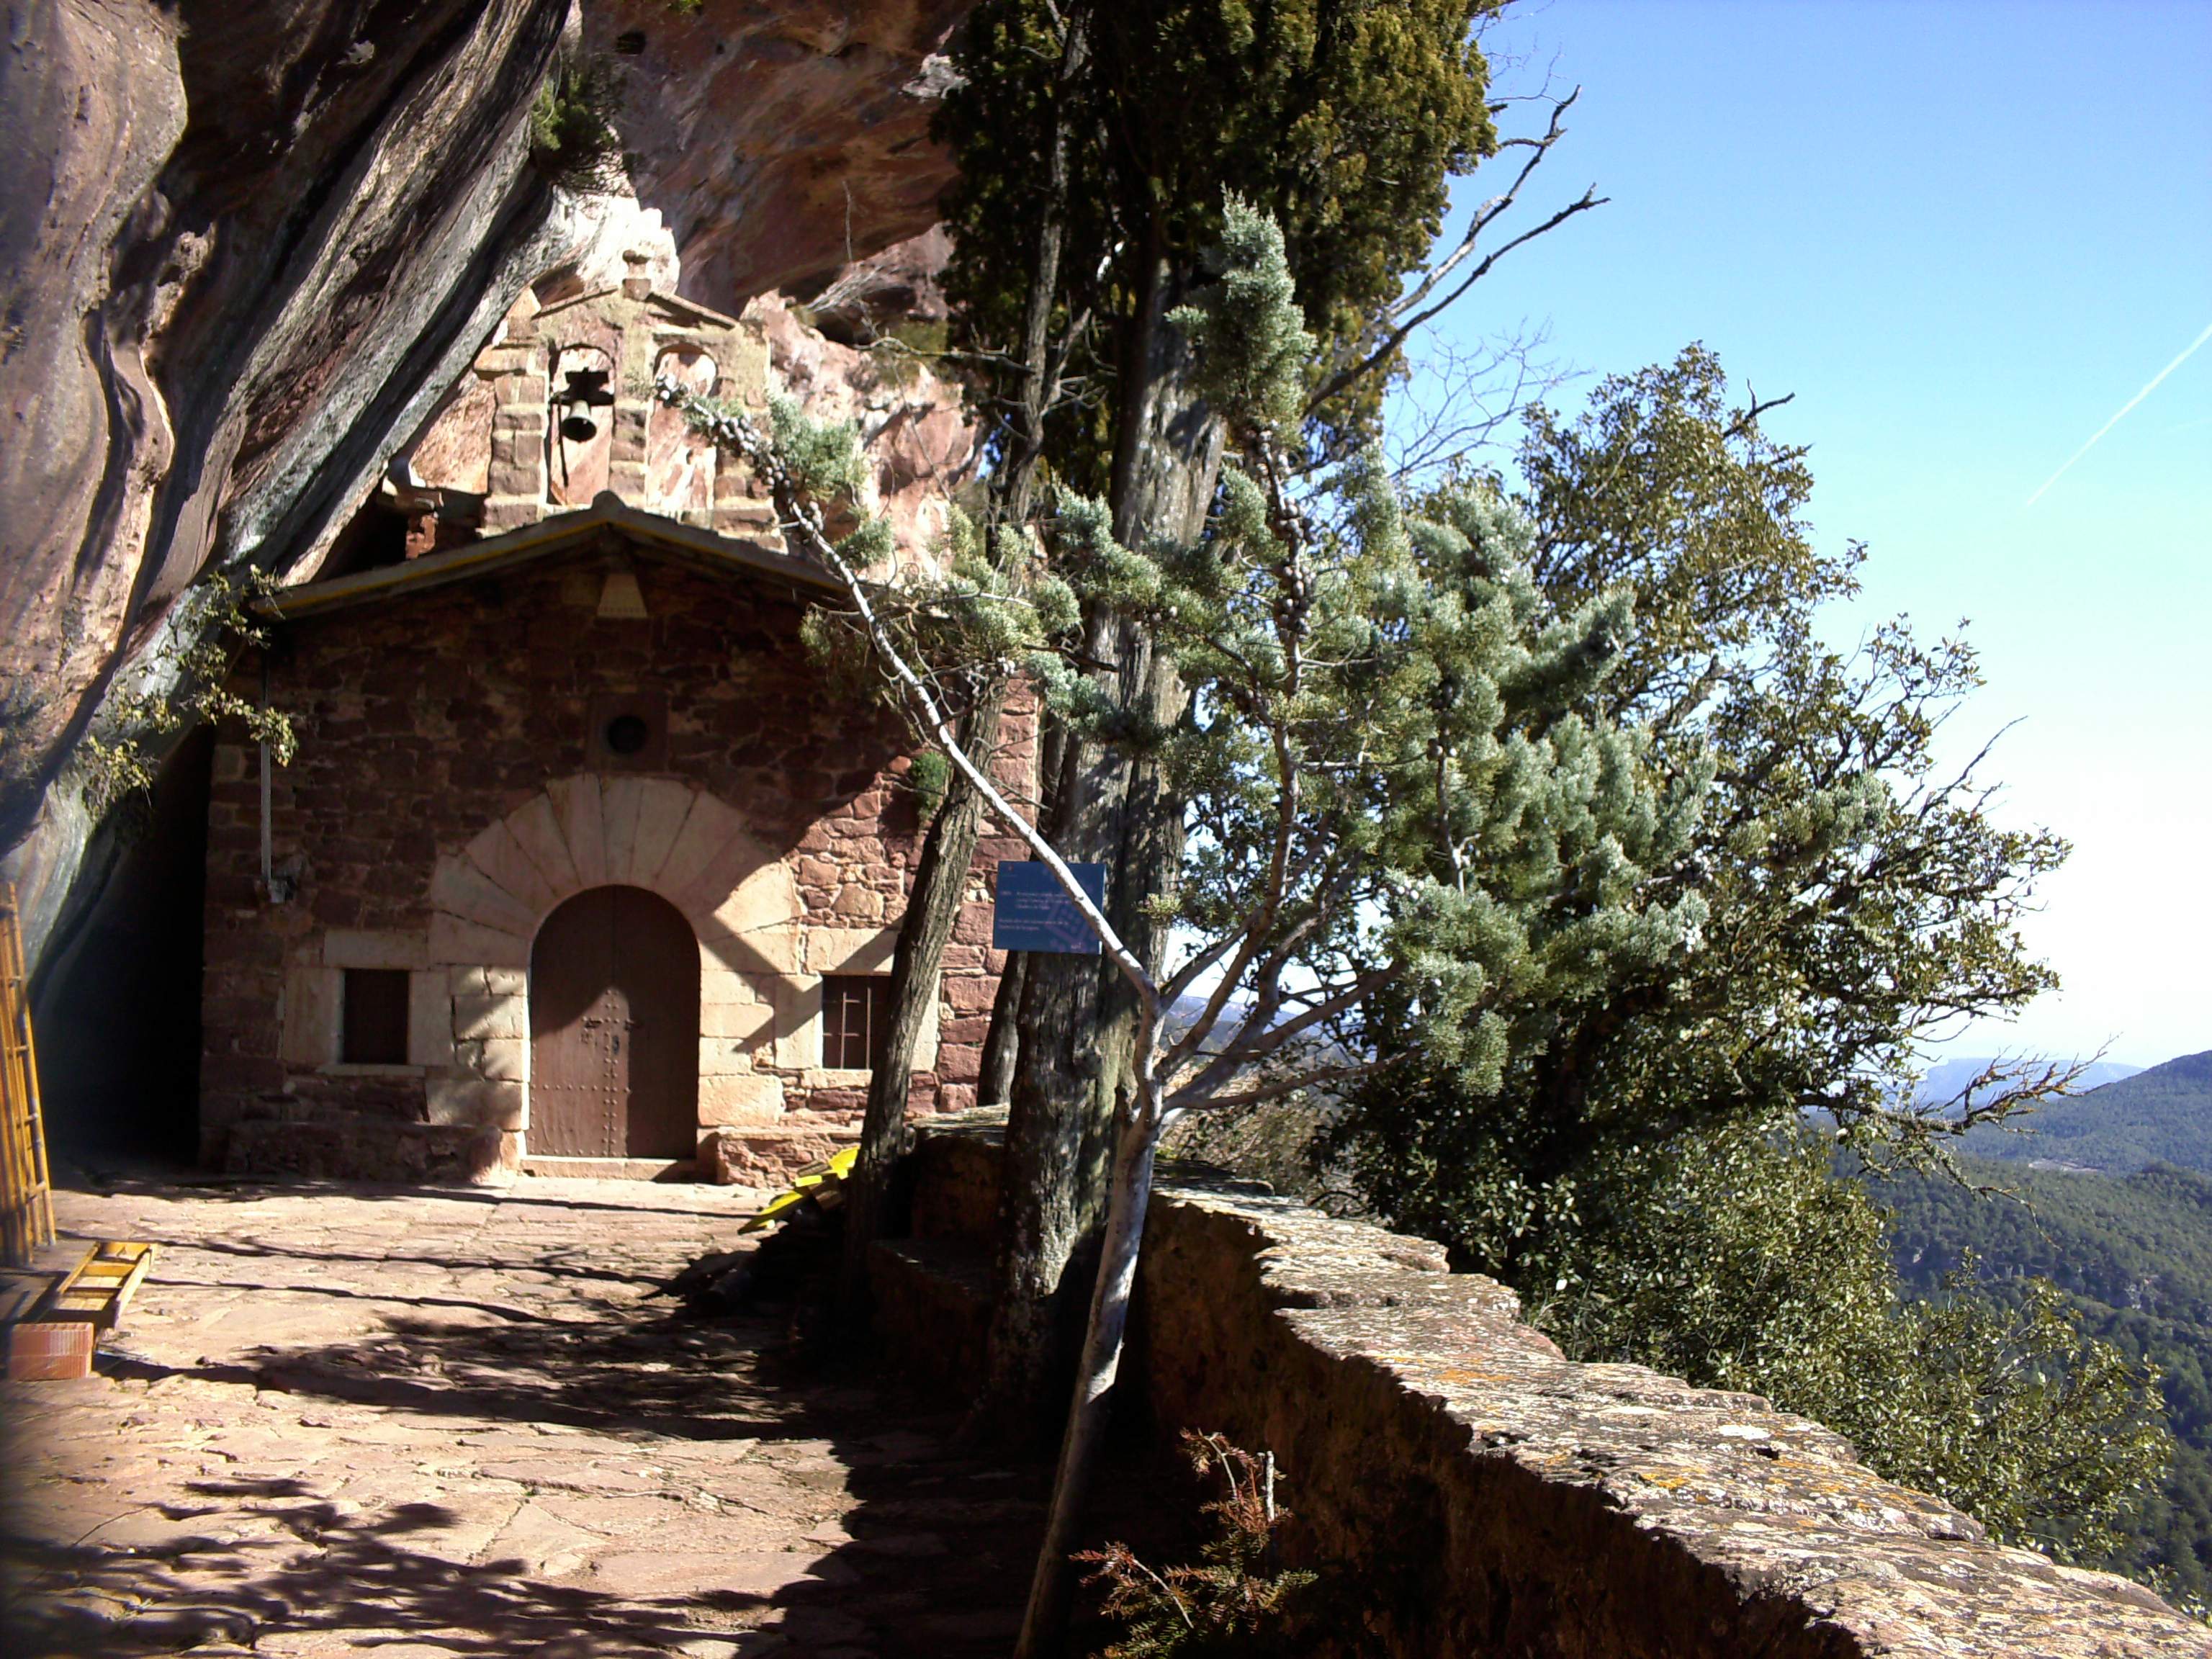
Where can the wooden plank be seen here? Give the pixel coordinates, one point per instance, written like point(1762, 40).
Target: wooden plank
point(101, 1286)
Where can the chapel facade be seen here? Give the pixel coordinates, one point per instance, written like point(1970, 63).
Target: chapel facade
point(581, 864)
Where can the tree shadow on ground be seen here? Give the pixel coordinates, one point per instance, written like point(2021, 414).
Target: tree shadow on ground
point(932, 1560)
point(315, 1569)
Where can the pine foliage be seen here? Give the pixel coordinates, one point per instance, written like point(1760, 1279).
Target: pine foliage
point(1838, 898)
point(1365, 690)
point(1236, 1602)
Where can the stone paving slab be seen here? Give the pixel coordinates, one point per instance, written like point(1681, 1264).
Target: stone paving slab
point(451, 1422)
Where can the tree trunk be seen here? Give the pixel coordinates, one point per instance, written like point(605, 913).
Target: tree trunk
point(941, 876)
point(940, 881)
point(1073, 1079)
point(1045, 1618)
point(1055, 1143)
point(994, 1081)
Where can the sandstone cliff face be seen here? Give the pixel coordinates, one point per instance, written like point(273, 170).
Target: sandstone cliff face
point(921, 443)
point(780, 140)
point(240, 240)
point(245, 250)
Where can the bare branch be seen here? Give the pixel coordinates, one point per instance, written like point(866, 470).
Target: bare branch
point(1260, 1036)
point(1191, 1098)
point(1743, 423)
point(1458, 398)
point(1411, 310)
point(803, 519)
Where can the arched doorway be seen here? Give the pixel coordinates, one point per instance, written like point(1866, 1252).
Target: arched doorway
point(614, 1028)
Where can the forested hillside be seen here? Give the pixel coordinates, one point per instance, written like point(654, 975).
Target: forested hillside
point(2134, 1253)
point(2163, 1115)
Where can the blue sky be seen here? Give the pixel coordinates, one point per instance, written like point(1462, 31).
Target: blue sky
point(1963, 235)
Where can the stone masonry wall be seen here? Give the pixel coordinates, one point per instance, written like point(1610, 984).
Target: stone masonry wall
point(1487, 1497)
point(445, 797)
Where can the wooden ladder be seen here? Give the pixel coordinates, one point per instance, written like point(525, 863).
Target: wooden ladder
point(102, 1286)
point(27, 1198)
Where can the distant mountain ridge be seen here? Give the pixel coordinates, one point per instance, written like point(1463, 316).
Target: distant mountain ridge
point(2161, 1115)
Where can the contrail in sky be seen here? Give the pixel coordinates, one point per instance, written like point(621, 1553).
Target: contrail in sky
point(2115, 421)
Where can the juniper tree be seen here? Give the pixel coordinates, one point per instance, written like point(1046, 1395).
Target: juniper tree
point(1329, 648)
point(1347, 121)
point(949, 843)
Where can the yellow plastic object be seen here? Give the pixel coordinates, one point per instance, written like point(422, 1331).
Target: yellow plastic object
point(830, 1172)
point(773, 1210)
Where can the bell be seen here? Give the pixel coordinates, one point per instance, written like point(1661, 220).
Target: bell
point(587, 390)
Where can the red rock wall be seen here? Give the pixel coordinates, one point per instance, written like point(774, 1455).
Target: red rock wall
point(430, 722)
point(235, 242)
point(246, 249)
point(779, 141)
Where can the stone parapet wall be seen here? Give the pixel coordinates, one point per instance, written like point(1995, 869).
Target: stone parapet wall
point(1495, 1499)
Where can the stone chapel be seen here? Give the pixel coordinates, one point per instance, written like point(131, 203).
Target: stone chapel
point(581, 866)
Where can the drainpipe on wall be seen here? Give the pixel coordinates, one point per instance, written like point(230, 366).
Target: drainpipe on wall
point(279, 889)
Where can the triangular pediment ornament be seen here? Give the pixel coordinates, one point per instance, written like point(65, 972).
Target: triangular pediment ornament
point(575, 301)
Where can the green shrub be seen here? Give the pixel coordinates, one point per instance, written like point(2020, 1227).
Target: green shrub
point(215, 618)
point(573, 141)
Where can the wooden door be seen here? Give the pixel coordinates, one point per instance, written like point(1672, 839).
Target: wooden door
point(614, 1028)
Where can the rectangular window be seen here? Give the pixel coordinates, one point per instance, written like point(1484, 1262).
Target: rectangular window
point(374, 1029)
point(854, 1009)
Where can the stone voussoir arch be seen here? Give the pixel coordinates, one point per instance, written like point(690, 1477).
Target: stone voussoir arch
point(666, 835)
point(661, 834)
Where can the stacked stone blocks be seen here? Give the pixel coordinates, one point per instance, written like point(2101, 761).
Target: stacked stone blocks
point(1467, 1489)
point(636, 328)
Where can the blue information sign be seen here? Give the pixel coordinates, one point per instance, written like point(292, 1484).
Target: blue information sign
point(1034, 912)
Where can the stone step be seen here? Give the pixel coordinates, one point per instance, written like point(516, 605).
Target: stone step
point(615, 1168)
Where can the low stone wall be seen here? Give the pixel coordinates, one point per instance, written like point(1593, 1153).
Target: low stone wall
point(1494, 1497)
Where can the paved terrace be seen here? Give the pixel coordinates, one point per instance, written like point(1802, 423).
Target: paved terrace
point(456, 1422)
